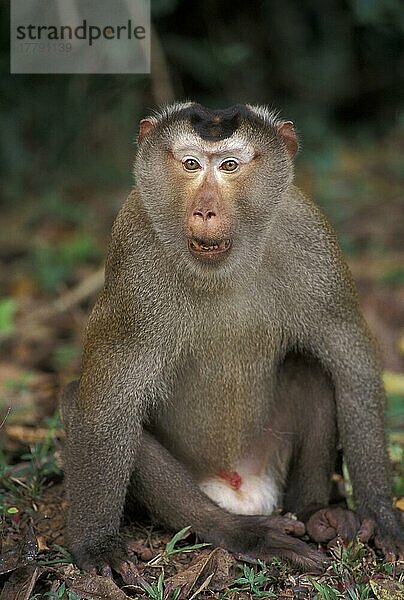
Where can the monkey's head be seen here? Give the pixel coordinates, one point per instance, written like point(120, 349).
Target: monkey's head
point(210, 182)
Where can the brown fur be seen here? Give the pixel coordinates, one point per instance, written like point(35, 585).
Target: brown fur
point(186, 365)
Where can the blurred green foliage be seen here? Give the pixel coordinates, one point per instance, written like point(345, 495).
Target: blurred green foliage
point(8, 307)
point(53, 262)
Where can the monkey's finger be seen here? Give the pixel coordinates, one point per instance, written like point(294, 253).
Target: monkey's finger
point(366, 530)
point(319, 528)
point(136, 548)
point(128, 572)
point(336, 542)
point(106, 571)
point(344, 521)
point(288, 525)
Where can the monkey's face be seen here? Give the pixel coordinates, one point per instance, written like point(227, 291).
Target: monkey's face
point(210, 182)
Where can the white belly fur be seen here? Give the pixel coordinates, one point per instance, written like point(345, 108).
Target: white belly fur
point(257, 494)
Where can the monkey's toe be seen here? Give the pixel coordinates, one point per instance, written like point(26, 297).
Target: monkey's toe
point(301, 556)
point(129, 572)
point(389, 536)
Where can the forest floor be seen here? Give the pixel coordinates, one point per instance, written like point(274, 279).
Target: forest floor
point(57, 245)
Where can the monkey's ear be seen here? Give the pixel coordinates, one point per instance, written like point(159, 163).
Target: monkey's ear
point(145, 126)
point(288, 133)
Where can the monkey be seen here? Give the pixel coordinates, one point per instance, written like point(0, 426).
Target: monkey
point(226, 357)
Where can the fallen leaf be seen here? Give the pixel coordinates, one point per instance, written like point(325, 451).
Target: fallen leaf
point(21, 583)
point(387, 589)
point(20, 555)
point(95, 587)
point(42, 545)
point(30, 435)
point(393, 382)
point(213, 566)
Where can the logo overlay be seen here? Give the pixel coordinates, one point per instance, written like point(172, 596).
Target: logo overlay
point(80, 36)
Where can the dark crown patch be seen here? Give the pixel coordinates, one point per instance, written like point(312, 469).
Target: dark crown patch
point(215, 125)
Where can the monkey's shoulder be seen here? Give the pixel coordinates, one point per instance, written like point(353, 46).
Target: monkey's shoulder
point(308, 256)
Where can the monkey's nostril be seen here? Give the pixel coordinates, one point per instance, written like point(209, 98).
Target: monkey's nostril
point(205, 215)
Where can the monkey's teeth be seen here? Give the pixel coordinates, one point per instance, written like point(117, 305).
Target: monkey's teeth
point(209, 247)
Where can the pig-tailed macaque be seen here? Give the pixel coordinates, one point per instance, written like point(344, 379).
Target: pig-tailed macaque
point(226, 357)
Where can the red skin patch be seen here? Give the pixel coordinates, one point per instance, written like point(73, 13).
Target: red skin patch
point(232, 478)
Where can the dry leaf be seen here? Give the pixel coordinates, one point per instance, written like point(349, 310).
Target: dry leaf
point(387, 590)
point(215, 567)
point(21, 583)
point(20, 555)
point(31, 435)
point(95, 587)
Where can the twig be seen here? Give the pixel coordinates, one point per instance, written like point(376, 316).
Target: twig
point(86, 288)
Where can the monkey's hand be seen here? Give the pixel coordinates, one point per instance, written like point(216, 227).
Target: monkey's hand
point(389, 535)
point(110, 555)
point(330, 525)
point(269, 537)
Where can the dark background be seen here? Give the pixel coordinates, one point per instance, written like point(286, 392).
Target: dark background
point(333, 66)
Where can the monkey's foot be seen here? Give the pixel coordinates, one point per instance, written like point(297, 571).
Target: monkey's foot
point(389, 537)
point(107, 556)
point(330, 525)
point(392, 548)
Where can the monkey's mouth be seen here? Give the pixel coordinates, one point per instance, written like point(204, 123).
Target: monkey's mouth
point(203, 249)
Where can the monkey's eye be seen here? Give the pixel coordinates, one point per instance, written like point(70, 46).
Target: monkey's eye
point(229, 165)
point(191, 164)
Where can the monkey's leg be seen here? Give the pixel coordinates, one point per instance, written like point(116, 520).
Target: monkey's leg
point(305, 398)
point(305, 392)
point(347, 351)
point(172, 496)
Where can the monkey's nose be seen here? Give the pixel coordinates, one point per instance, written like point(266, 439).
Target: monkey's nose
point(204, 214)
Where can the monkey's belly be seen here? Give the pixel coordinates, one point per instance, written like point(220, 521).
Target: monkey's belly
point(239, 474)
point(218, 420)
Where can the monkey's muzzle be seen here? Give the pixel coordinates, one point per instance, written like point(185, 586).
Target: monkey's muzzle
point(208, 250)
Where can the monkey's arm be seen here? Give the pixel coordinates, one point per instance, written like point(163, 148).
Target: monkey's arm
point(347, 351)
point(103, 421)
